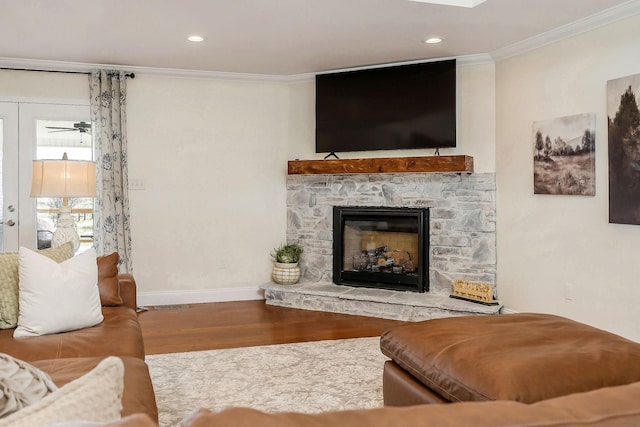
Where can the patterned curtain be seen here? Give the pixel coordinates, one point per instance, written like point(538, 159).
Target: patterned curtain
point(111, 233)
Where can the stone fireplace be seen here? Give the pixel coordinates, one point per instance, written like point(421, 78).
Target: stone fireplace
point(461, 242)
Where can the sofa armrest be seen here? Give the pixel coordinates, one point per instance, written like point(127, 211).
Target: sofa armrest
point(128, 290)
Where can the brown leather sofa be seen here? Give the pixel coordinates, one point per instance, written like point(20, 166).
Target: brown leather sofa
point(526, 369)
point(69, 355)
point(606, 407)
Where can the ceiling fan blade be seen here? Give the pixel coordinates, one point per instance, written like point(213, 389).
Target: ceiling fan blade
point(59, 127)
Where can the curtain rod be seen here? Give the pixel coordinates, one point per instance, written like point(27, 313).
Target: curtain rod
point(130, 75)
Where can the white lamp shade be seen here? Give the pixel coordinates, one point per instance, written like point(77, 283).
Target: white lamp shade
point(63, 178)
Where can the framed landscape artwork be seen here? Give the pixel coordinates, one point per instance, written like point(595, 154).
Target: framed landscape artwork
point(624, 150)
point(564, 155)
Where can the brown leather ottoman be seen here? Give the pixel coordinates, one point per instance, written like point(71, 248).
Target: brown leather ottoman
point(521, 357)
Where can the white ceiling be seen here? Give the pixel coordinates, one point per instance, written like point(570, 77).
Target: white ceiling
point(281, 37)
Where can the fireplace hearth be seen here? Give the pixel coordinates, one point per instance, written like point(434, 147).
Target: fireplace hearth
point(381, 247)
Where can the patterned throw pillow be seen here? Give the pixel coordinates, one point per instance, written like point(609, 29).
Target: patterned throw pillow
point(21, 385)
point(94, 397)
point(9, 281)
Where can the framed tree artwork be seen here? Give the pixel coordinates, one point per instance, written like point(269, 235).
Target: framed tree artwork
point(564, 155)
point(624, 150)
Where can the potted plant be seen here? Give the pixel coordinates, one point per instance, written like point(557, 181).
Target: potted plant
point(287, 253)
point(286, 257)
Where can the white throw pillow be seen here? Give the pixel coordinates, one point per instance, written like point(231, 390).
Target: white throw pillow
point(9, 281)
point(95, 396)
point(57, 297)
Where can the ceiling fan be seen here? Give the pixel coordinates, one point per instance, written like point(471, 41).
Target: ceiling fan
point(82, 127)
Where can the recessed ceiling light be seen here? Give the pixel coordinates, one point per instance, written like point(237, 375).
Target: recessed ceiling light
point(460, 3)
point(433, 40)
point(195, 38)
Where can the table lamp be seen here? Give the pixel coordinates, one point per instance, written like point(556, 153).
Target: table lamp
point(64, 178)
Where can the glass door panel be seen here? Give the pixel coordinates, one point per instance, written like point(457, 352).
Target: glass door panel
point(9, 176)
point(54, 139)
point(47, 131)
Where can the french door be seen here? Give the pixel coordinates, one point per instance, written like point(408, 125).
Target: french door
point(31, 131)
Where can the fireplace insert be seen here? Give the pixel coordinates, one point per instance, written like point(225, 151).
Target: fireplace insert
point(380, 247)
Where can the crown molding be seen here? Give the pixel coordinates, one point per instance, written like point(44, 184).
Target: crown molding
point(479, 59)
point(592, 22)
point(460, 60)
point(18, 64)
point(77, 67)
point(217, 75)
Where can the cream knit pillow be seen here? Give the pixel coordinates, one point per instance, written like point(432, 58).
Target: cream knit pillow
point(96, 396)
point(9, 281)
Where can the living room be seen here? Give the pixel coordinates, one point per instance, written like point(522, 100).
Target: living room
point(217, 145)
point(212, 151)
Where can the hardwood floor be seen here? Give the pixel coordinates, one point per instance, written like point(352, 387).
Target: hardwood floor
point(219, 325)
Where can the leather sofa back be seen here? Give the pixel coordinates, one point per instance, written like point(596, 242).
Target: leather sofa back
point(118, 334)
point(607, 407)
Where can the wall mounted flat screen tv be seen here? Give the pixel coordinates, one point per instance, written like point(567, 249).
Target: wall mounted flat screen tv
point(388, 108)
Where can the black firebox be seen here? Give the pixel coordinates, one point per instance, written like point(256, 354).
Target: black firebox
point(381, 247)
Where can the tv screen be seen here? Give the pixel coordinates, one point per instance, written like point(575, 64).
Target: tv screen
point(389, 108)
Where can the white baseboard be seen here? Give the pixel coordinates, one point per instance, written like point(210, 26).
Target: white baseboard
point(199, 296)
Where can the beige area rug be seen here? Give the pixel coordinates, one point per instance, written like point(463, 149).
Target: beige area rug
point(306, 377)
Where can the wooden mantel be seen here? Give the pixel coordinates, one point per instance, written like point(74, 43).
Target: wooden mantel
point(459, 164)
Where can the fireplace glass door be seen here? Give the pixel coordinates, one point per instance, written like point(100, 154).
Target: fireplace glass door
point(381, 247)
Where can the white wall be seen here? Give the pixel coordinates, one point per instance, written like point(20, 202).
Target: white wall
point(549, 242)
point(212, 155)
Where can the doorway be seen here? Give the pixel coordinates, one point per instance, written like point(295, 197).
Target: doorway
point(30, 131)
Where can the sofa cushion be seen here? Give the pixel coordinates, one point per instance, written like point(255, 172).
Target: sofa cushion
point(57, 297)
point(95, 396)
point(523, 357)
point(9, 281)
point(607, 407)
point(21, 384)
point(108, 279)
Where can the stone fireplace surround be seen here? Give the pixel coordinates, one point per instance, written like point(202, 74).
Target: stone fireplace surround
point(462, 241)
